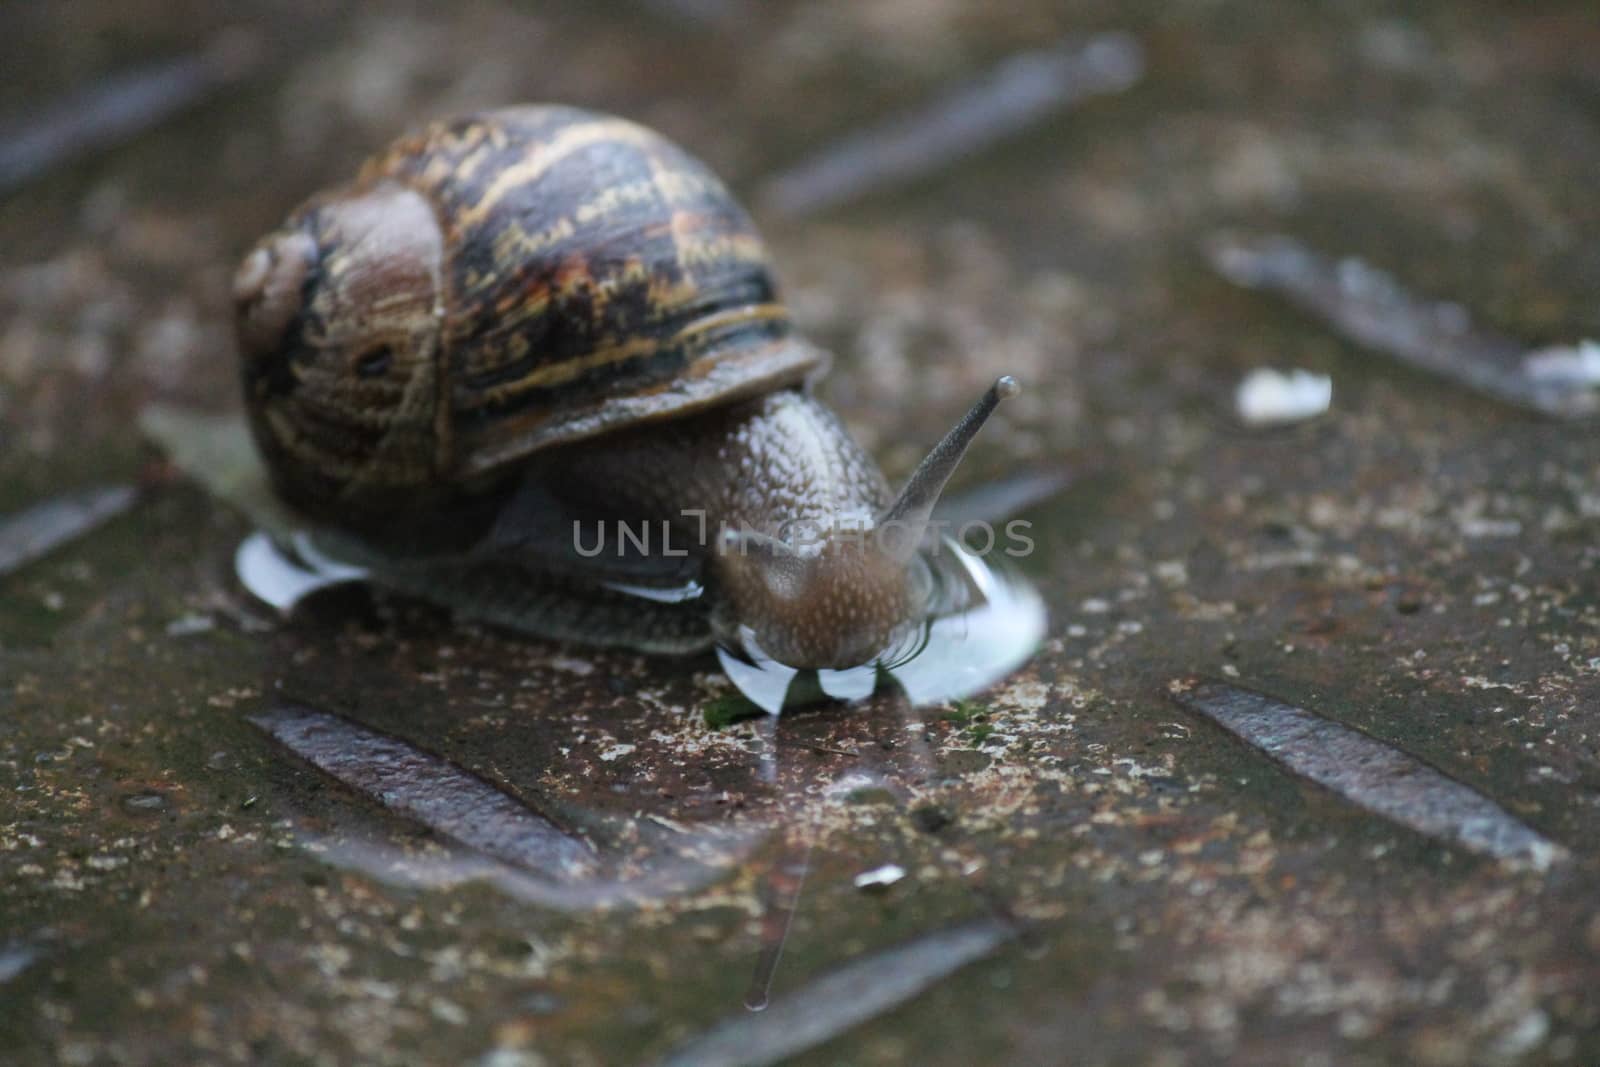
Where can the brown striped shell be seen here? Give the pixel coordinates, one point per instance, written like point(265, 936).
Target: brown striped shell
point(490, 287)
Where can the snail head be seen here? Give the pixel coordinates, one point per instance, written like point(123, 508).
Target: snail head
point(837, 598)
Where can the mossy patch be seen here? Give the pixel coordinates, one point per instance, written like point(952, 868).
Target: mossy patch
point(724, 711)
point(972, 720)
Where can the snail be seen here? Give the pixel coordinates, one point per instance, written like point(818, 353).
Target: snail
point(517, 322)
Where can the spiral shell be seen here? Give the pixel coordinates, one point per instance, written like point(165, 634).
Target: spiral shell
point(493, 286)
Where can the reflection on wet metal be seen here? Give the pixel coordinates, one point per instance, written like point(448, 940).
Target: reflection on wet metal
point(430, 790)
point(1370, 308)
point(780, 896)
point(45, 527)
point(1369, 773)
point(810, 783)
point(840, 1000)
point(1022, 91)
point(120, 108)
point(662, 876)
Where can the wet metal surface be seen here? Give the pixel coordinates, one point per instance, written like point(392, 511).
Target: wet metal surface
point(1410, 574)
point(1368, 773)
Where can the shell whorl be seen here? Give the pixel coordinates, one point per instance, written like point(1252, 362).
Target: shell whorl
point(491, 286)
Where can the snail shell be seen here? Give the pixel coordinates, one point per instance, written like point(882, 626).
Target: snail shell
point(491, 287)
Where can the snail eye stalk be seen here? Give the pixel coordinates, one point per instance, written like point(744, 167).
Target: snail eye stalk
point(914, 507)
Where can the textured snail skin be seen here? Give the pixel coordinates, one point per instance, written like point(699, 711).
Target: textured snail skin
point(523, 318)
point(783, 466)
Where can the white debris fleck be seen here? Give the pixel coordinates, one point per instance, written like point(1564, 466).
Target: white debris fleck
point(1524, 1035)
point(1567, 365)
point(511, 1057)
point(1172, 572)
point(1268, 397)
point(616, 752)
point(1476, 526)
point(1026, 694)
point(880, 877)
point(187, 625)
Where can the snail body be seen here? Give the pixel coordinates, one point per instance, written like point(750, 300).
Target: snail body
point(517, 322)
